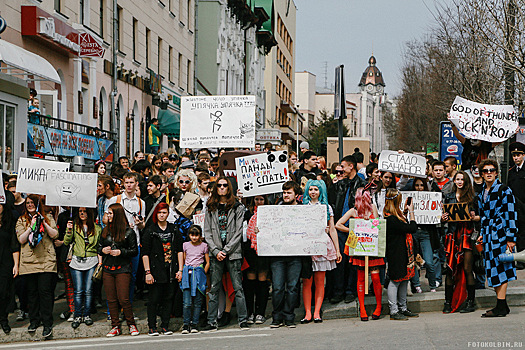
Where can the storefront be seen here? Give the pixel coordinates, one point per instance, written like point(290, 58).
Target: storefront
point(268, 135)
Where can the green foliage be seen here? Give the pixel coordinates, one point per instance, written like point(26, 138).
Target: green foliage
point(325, 126)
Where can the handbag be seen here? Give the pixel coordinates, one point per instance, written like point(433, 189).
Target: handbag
point(97, 275)
point(71, 246)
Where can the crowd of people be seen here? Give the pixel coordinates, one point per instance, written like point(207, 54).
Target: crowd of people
point(141, 241)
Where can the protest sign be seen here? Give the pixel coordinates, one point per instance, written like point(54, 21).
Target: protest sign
point(427, 206)
point(287, 230)
point(198, 219)
point(402, 163)
point(2, 194)
point(491, 123)
point(262, 173)
point(71, 189)
point(217, 121)
point(33, 174)
point(370, 237)
point(457, 212)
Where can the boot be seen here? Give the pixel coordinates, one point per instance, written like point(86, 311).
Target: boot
point(449, 290)
point(470, 305)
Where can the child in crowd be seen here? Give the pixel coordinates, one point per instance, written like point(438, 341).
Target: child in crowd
point(193, 283)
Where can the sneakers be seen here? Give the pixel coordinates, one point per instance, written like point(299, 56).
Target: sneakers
point(349, 298)
point(88, 320)
point(153, 332)
point(133, 330)
point(418, 290)
point(6, 328)
point(260, 319)
point(65, 315)
point(251, 319)
point(290, 324)
point(209, 328)
point(447, 308)
point(244, 326)
point(70, 318)
point(186, 329)
point(398, 317)
point(33, 327)
point(20, 315)
point(47, 332)
point(194, 328)
point(76, 322)
point(409, 313)
point(276, 324)
point(165, 331)
point(113, 332)
point(432, 290)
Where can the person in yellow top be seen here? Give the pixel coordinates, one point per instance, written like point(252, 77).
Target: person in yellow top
point(154, 136)
point(35, 231)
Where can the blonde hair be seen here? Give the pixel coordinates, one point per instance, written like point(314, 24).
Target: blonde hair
point(393, 204)
point(191, 175)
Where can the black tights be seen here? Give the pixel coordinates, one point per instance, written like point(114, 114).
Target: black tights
point(468, 261)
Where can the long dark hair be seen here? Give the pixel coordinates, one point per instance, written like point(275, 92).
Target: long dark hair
point(40, 208)
point(423, 180)
point(90, 222)
point(117, 228)
point(466, 194)
point(213, 201)
point(251, 206)
point(8, 220)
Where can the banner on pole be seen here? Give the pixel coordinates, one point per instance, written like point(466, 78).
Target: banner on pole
point(72, 189)
point(262, 173)
point(427, 206)
point(33, 174)
point(288, 230)
point(217, 121)
point(402, 163)
point(369, 237)
point(491, 123)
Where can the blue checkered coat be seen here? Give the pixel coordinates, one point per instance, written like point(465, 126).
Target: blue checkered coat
point(498, 226)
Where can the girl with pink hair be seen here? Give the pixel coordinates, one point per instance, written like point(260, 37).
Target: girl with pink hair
point(364, 209)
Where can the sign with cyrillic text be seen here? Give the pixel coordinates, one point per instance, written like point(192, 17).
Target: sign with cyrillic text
point(427, 206)
point(262, 173)
point(402, 163)
point(457, 212)
point(288, 230)
point(217, 121)
point(491, 123)
point(370, 237)
point(198, 219)
point(72, 189)
point(33, 174)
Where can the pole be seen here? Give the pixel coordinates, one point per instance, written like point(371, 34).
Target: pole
point(340, 105)
point(297, 129)
point(508, 73)
point(114, 116)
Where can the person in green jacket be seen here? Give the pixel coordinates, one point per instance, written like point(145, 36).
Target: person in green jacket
point(153, 136)
point(84, 235)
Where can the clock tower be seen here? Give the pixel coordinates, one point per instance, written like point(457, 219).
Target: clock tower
point(372, 79)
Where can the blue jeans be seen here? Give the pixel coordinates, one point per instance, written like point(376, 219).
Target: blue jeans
point(422, 239)
point(187, 302)
point(439, 260)
point(154, 149)
point(82, 283)
point(134, 267)
point(286, 272)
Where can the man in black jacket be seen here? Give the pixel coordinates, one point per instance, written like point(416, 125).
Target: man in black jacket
point(516, 182)
point(341, 197)
point(309, 166)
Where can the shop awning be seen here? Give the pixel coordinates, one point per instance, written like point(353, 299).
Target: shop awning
point(16, 57)
point(169, 123)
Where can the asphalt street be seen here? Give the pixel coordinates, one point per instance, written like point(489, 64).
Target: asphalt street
point(429, 331)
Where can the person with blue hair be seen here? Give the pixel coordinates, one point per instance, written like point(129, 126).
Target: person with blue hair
point(315, 193)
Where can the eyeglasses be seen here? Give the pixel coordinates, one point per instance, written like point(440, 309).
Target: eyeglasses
point(489, 170)
point(187, 182)
point(222, 185)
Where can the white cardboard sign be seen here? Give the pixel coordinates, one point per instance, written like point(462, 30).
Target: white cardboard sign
point(491, 123)
point(217, 121)
point(198, 219)
point(72, 189)
point(402, 163)
point(262, 173)
point(2, 193)
point(427, 206)
point(33, 174)
point(292, 230)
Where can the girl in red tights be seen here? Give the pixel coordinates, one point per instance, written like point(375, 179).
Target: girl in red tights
point(364, 209)
point(315, 194)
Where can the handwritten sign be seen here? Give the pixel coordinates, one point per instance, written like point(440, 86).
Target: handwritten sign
point(262, 173)
point(71, 189)
point(288, 230)
point(217, 121)
point(198, 219)
point(370, 237)
point(33, 174)
point(427, 206)
point(402, 163)
point(457, 212)
point(492, 123)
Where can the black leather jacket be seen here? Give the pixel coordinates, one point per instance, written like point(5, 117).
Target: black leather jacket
point(337, 193)
point(128, 250)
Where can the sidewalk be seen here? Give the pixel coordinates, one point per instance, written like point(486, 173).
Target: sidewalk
point(425, 302)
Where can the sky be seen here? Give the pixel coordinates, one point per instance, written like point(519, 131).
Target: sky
point(346, 32)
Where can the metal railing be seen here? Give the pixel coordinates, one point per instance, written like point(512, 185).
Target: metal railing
point(66, 125)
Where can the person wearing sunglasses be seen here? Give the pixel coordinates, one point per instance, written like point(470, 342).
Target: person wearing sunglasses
point(185, 182)
point(516, 182)
point(498, 234)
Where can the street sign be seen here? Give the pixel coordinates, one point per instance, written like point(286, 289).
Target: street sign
point(449, 145)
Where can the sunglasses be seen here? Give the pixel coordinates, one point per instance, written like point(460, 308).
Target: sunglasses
point(489, 170)
point(187, 182)
point(338, 172)
point(222, 185)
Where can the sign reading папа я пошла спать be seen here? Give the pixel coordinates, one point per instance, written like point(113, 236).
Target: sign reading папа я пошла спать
point(402, 163)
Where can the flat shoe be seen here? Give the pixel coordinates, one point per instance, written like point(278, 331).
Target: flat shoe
point(491, 313)
point(375, 317)
point(318, 320)
point(364, 319)
point(305, 321)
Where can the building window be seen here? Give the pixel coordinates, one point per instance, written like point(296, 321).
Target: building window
point(58, 5)
point(135, 35)
point(120, 24)
point(129, 131)
point(82, 11)
point(188, 78)
point(188, 12)
point(148, 35)
point(170, 64)
point(101, 18)
point(180, 70)
point(159, 57)
point(181, 9)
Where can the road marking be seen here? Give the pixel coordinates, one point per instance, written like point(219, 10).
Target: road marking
point(119, 341)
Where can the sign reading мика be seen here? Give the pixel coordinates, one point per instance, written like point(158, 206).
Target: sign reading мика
point(491, 123)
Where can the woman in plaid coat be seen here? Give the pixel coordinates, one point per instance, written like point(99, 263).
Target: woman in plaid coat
point(498, 232)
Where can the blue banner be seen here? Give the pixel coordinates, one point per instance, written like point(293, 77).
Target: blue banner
point(67, 143)
point(449, 145)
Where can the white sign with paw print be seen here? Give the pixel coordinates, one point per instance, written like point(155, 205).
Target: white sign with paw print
point(262, 173)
